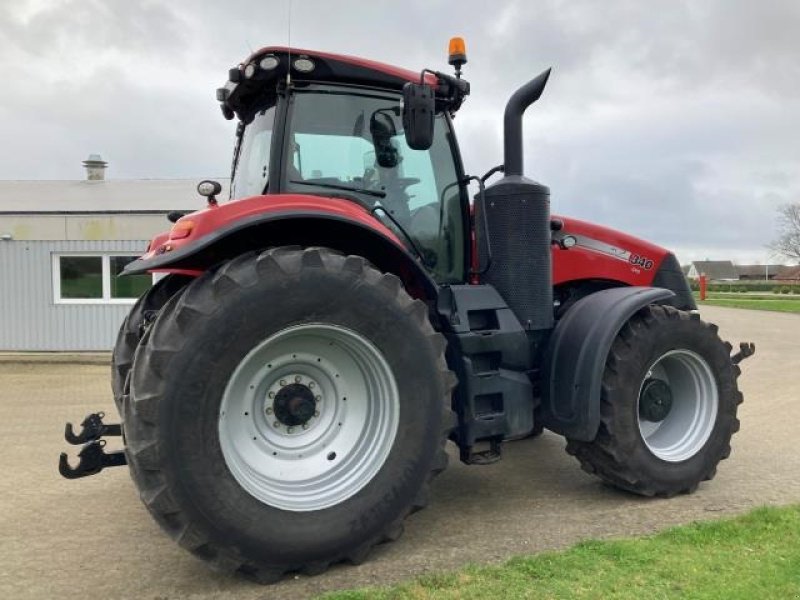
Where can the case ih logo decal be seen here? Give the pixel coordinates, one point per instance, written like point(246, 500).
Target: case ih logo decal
point(636, 260)
point(641, 261)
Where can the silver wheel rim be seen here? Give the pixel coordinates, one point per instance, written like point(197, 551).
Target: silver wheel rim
point(337, 450)
point(690, 420)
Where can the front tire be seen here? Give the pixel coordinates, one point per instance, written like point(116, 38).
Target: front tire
point(668, 405)
point(303, 339)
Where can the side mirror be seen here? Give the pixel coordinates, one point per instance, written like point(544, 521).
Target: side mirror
point(419, 106)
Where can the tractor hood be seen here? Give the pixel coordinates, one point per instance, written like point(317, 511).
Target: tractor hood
point(583, 250)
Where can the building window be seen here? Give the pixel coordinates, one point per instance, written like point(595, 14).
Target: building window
point(93, 279)
point(81, 277)
point(130, 286)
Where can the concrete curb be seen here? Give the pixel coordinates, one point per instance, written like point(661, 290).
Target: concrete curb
point(74, 358)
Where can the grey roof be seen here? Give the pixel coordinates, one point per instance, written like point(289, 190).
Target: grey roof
point(716, 269)
point(111, 195)
point(788, 272)
point(757, 270)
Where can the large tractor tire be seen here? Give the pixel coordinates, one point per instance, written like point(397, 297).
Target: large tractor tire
point(668, 405)
point(130, 333)
point(287, 412)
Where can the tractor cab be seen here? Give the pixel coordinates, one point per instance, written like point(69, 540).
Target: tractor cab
point(312, 130)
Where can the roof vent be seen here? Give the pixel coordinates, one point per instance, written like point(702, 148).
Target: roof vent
point(95, 168)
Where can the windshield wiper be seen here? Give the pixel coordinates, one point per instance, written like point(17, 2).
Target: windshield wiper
point(344, 188)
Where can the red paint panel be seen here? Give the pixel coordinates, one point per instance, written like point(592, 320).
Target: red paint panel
point(214, 218)
point(580, 262)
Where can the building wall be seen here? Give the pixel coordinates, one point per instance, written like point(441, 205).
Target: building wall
point(83, 227)
point(31, 320)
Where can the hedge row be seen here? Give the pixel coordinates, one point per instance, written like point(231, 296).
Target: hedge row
point(775, 287)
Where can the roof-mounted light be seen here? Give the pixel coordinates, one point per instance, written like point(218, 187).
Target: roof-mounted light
point(457, 54)
point(303, 64)
point(269, 62)
point(249, 70)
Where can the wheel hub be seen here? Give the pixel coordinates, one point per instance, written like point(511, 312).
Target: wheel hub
point(678, 402)
point(655, 401)
point(308, 417)
point(294, 405)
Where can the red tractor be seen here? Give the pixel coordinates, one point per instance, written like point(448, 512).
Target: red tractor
point(288, 388)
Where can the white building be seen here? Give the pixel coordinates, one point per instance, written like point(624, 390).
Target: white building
point(62, 243)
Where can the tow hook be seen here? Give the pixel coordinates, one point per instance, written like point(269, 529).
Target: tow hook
point(746, 350)
point(92, 457)
point(93, 428)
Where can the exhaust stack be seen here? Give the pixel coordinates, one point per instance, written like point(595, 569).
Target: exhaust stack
point(512, 121)
point(518, 221)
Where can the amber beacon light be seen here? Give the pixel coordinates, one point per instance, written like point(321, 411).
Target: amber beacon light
point(457, 54)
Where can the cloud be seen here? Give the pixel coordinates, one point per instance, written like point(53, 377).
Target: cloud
point(676, 121)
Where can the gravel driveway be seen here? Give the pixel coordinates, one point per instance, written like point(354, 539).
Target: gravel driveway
point(94, 539)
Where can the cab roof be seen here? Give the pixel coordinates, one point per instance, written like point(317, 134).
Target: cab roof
point(248, 81)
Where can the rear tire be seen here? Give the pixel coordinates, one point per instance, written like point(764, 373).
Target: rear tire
point(655, 442)
point(130, 333)
point(220, 478)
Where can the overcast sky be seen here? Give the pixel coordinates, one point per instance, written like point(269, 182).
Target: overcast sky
point(676, 121)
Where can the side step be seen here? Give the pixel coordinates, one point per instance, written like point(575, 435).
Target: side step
point(92, 457)
point(491, 354)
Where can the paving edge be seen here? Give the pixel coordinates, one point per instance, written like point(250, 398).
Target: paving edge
point(71, 358)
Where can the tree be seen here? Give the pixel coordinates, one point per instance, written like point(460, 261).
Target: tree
point(788, 241)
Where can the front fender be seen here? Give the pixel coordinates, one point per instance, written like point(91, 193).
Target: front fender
point(576, 355)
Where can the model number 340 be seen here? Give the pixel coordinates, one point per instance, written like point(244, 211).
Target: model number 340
point(641, 261)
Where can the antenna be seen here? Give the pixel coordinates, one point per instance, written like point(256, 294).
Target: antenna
point(289, 45)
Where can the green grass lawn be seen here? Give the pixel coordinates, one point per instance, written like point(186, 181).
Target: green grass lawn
point(776, 302)
point(755, 556)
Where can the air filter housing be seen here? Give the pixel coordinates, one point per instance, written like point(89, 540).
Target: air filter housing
point(518, 221)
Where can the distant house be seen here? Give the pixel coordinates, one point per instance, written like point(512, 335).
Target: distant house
point(788, 273)
point(714, 270)
point(758, 272)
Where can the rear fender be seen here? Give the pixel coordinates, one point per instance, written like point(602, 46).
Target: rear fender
point(576, 355)
point(307, 228)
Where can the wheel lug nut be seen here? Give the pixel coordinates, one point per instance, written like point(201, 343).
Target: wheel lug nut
point(317, 398)
point(290, 430)
point(297, 379)
point(283, 382)
point(276, 424)
point(316, 413)
point(272, 394)
point(305, 425)
point(311, 384)
point(269, 410)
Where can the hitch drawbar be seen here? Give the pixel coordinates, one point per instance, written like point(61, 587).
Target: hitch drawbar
point(92, 457)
